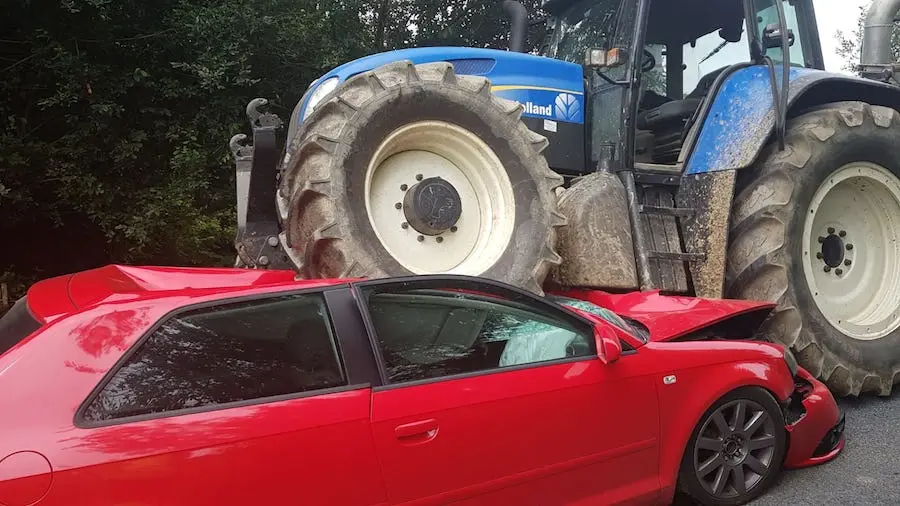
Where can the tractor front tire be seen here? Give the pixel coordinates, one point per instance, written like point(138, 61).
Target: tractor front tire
point(413, 169)
point(816, 229)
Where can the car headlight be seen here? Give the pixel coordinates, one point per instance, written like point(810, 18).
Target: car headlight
point(326, 87)
point(791, 361)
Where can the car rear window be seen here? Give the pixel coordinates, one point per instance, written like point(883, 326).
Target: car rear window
point(15, 325)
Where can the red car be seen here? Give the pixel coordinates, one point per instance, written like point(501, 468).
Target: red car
point(158, 386)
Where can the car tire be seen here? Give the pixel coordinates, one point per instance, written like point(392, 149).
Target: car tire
point(739, 439)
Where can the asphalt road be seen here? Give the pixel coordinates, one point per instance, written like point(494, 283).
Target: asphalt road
point(867, 472)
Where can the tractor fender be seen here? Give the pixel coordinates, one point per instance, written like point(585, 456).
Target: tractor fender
point(738, 122)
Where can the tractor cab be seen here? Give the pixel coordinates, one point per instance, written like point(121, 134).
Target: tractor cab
point(664, 57)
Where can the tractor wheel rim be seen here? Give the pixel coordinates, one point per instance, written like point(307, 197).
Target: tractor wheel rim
point(735, 449)
point(851, 250)
point(439, 199)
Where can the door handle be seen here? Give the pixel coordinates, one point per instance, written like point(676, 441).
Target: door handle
point(417, 432)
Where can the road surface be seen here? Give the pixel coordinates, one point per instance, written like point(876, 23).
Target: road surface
point(866, 472)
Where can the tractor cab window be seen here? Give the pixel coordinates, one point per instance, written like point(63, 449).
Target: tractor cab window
point(794, 12)
point(692, 42)
point(599, 24)
point(592, 24)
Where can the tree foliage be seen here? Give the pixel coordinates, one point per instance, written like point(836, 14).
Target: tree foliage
point(115, 115)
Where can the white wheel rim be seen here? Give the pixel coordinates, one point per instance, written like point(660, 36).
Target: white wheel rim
point(439, 149)
point(856, 213)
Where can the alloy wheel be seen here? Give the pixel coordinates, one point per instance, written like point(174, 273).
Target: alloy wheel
point(735, 449)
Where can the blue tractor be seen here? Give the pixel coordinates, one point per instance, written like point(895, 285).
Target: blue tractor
point(690, 146)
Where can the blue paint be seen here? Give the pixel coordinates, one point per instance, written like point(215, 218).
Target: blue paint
point(546, 104)
point(742, 117)
point(547, 88)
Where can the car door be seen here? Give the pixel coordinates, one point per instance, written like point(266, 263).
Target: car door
point(493, 396)
point(245, 402)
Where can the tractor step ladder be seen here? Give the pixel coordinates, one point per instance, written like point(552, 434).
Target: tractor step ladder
point(660, 238)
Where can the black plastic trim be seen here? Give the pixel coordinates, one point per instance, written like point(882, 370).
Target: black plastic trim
point(80, 422)
point(17, 324)
point(353, 339)
point(83, 424)
point(831, 439)
point(810, 38)
point(566, 152)
point(483, 372)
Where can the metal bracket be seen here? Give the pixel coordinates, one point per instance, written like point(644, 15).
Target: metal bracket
point(256, 168)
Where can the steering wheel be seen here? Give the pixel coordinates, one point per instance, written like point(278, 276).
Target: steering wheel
point(649, 61)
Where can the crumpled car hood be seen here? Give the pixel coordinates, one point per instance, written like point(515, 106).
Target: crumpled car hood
point(672, 317)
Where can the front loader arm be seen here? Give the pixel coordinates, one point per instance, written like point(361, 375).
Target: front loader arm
point(258, 240)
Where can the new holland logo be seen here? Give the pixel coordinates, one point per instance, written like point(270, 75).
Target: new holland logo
point(540, 110)
point(567, 107)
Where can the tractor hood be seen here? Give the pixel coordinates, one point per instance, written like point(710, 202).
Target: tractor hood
point(671, 318)
point(534, 81)
point(550, 91)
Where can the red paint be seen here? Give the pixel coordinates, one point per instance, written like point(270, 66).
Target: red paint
point(526, 425)
point(821, 415)
point(24, 478)
point(593, 431)
point(669, 317)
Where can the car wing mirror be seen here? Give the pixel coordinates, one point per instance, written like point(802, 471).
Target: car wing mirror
point(609, 348)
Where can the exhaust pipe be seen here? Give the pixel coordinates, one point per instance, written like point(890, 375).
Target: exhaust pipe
point(518, 18)
point(876, 59)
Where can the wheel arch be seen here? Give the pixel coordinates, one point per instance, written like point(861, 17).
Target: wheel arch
point(737, 124)
point(700, 400)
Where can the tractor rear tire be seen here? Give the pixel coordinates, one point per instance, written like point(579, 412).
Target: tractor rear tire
point(412, 169)
point(816, 229)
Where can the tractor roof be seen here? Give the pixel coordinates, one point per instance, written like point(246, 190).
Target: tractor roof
point(676, 21)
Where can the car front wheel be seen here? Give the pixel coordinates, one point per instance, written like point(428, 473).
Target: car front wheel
point(736, 450)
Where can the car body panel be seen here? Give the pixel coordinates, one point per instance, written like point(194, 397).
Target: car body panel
point(821, 413)
point(224, 456)
point(48, 299)
point(534, 428)
point(220, 448)
point(692, 366)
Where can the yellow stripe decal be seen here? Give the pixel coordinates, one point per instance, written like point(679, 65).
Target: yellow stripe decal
point(506, 88)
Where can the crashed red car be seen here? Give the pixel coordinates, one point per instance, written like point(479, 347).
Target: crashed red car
point(163, 386)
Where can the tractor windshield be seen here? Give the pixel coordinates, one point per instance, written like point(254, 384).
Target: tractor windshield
point(592, 24)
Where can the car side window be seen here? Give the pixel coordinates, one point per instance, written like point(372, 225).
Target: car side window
point(430, 333)
point(229, 353)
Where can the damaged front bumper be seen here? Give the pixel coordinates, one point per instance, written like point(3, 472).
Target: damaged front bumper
point(814, 422)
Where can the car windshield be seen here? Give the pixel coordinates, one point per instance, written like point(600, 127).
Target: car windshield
point(590, 24)
point(629, 325)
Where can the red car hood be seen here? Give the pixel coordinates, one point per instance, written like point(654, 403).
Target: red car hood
point(670, 317)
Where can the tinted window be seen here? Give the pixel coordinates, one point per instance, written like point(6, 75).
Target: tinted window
point(432, 333)
point(15, 325)
point(228, 353)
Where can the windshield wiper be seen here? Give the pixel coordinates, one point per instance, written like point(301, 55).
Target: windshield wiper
point(714, 51)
